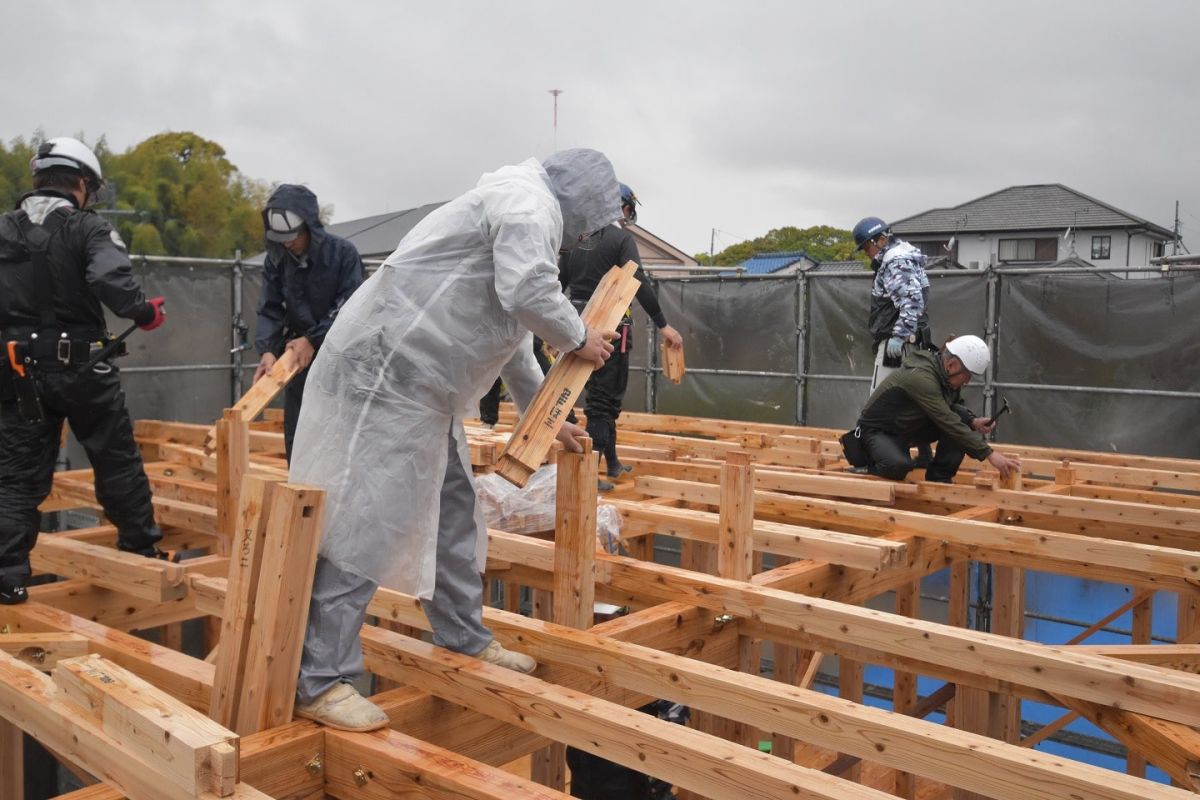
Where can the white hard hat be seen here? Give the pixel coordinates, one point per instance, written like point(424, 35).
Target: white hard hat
point(972, 352)
point(65, 152)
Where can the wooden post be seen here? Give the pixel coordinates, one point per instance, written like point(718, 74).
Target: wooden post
point(240, 595)
point(547, 766)
point(233, 456)
point(12, 761)
point(574, 576)
point(850, 687)
point(1142, 618)
point(735, 559)
point(958, 615)
point(904, 684)
point(293, 532)
point(575, 538)
point(232, 437)
point(1008, 619)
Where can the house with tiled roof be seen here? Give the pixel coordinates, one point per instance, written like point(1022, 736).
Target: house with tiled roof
point(1040, 224)
point(777, 263)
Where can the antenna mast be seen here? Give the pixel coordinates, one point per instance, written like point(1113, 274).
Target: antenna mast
point(556, 93)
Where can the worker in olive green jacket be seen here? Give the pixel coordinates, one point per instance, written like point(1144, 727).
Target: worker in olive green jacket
point(920, 403)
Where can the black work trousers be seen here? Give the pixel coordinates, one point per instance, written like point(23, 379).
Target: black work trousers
point(94, 405)
point(889, 454)
point(293, 394)
point(605, 394)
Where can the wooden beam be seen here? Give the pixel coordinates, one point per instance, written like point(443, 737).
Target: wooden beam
point(127, 573)
point(43, 650)
point(686, 758)
point(534, 434)
point(183, 746)
point(31, 700)
point(1004, 771)
point(1173, 748)
point(183, 677)
point(261, 393)
point(786, 539)
point(1129, 558)
point(401, 765)
point(1142, 689)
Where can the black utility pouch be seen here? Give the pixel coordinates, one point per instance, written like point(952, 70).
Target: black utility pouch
point(852, 447)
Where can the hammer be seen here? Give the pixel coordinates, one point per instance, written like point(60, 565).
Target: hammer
point(1003, 407)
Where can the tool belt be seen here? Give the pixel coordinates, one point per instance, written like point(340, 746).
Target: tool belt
point(58, 351)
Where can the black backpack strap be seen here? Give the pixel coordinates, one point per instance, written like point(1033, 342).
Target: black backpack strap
point(37, 242)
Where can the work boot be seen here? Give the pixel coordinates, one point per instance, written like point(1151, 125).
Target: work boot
point(605, 486)
point(12, 595)
point(342, 707)
point(924, 456)
point(616, 469)
point(494, 653)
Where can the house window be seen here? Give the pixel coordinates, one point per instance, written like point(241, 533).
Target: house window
point(1101, 245)
point(1029, 249)
point(1160, 249)
point(933, 249)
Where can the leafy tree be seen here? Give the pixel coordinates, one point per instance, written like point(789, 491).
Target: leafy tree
point(820, 242)
point(181, 187)
point(173, 194)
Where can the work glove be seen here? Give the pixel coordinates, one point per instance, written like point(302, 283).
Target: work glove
point(895, 347)
point(153, 309)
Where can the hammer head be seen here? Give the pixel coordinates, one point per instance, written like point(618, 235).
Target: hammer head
point(1004, 406)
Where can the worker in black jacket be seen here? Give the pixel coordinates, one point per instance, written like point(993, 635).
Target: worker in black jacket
point(919, 403)
point(307, 275)
point(59, 264)
point(580, 270)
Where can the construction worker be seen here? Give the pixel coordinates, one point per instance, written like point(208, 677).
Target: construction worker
point(307, 275)
point(59, 264)
point(580, 270)
point(920, 404)
point(404, 363)
point(899, 319)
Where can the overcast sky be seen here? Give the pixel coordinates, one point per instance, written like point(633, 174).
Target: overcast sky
point(739, 116)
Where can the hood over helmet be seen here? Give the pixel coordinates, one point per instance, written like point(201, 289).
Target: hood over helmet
point(586, 186)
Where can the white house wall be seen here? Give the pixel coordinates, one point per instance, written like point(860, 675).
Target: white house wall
point(976, 250)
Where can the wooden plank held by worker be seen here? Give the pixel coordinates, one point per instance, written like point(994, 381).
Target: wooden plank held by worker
point(535, 432)
point(672, 362)
point(261, 393)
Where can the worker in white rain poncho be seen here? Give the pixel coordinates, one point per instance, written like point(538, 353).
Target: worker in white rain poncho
point(380, 430)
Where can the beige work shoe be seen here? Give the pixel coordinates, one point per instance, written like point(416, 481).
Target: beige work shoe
point(342, 707)
point(494, 653)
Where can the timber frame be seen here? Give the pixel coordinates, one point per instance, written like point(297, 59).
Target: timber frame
point(781, 550)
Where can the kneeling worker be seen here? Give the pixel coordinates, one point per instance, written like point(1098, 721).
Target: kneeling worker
point(919, 404)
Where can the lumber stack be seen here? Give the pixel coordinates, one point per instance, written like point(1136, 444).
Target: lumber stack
point(782, 552)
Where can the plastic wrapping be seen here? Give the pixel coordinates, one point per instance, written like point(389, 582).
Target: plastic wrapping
point(413, 350)
point(531, 509)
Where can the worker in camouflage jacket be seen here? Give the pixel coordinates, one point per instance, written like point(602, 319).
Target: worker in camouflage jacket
point(899, 318)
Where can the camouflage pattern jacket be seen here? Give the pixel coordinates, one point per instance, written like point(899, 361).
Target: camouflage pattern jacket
point(900, 295)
